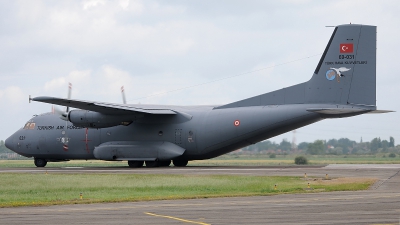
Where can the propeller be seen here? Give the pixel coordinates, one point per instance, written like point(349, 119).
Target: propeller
point(64, 116)
point(69, 95)
point(123, 95)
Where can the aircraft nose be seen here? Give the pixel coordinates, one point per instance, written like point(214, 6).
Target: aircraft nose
point(9, 142)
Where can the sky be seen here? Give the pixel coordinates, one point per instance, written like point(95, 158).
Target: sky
point(186, 53)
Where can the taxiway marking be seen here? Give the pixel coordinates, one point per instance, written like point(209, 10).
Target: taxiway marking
point(176, 218)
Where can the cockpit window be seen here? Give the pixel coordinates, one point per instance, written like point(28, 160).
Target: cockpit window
point(32, 126)
point(29, 126)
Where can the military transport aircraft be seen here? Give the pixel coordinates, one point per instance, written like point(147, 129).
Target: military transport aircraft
point(342, 85)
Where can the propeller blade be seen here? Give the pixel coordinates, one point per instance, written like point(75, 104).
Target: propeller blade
point(69, 94)
point(62, 113)
point(123, 95)
point(66, 140)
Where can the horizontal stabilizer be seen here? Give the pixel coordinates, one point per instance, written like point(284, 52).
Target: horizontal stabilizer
point(380, 111)
point(102, 107)
point(338, 111)
point(343, 111)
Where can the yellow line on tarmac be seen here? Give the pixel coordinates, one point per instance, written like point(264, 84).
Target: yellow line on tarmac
point(176, 218)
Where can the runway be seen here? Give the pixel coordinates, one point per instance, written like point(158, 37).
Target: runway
point(379, 205)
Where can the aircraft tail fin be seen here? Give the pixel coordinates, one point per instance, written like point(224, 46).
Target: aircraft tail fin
point(345, 74)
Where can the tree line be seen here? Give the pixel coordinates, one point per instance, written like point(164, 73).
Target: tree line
point(3, 148)
point(331, 146)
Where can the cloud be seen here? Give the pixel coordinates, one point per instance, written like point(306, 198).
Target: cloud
point(74, 77)
point(133, 6)
point(92, 3)
point(124, 4)
point(156, 46)
point(55, 83)
point(114, 77)
point(12, 95)
point(110, 80)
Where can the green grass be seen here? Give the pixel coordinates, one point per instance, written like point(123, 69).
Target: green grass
point(288, 160)
point(73, 163)
point(229, 160)
point(19, 189)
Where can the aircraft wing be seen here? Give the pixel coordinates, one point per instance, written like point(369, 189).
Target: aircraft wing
point(102, 107)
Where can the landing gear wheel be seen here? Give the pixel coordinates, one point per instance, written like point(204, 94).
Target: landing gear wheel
point(135, 164)
point(180, 163)
point(40, 162)
point(151, 163)
point(164, 163)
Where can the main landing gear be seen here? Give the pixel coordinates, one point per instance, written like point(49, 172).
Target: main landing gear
point(40, 162)
point(135, 164)
point(165, 163)
point(180, 163)
point(152, 164)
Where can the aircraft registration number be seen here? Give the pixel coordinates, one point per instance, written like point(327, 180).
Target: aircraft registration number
point(346, 56)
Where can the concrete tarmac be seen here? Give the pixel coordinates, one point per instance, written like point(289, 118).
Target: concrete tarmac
point(379, 205)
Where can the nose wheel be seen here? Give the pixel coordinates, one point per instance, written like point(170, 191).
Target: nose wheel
point(40, 162)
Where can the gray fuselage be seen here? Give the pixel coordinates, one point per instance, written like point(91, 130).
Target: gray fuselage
point(207, 133)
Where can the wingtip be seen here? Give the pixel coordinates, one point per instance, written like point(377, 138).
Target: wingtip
point(40, 98)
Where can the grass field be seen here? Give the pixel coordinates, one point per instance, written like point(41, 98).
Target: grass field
point(35, 189)
point(230, 160)
point(264, 160)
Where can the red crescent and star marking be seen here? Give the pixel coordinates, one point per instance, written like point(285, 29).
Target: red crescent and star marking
point(236, 123)
point(346, 48)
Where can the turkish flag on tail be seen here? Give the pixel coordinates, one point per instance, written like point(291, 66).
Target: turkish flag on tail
point(346, 48)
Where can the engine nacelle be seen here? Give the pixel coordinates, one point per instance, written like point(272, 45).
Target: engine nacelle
point(90, 119)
